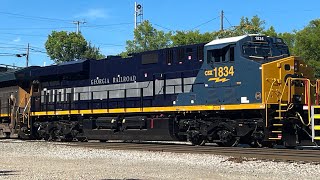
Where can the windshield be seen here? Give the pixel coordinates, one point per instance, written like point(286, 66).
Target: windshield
point(257, 50)
point(264, 51)
point(281, 50)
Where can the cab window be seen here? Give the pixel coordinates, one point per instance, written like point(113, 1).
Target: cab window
point(225, 54)
point(257, 51)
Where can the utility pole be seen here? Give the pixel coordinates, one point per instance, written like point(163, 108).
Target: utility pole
point(77, 23)
point(221, 21)
point(27, 55)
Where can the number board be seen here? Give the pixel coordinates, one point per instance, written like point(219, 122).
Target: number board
point(259, 38)
point(220, 74)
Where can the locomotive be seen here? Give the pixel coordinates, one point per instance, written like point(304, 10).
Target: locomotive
point(245, 89)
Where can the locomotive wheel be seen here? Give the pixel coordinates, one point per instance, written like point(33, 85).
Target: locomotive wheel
point(256, 144)
point(197, 140)
point(231, 143)
point(54, 135)
point(227, 139)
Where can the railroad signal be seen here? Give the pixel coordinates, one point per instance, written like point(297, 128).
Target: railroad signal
point(138, 14)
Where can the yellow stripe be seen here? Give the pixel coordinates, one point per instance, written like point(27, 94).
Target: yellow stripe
point(317, 127)
point(316, 116)
point(274, 138)
point(242, 106)
point(4, 115)
point(316, 107)
point(317, 138)
point(153, 109)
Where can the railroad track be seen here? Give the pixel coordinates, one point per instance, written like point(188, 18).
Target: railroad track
point(287, 155)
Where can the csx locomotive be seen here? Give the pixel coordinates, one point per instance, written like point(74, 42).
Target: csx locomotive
point(245, 89)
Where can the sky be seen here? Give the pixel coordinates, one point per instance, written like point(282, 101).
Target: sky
point(109, 23)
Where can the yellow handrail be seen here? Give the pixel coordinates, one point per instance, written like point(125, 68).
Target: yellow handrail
point(266, 101)
point(309, 98)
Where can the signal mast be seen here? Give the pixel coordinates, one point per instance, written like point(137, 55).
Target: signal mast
point(138, 14)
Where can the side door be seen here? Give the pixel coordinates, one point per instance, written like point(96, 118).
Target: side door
point(222, 75)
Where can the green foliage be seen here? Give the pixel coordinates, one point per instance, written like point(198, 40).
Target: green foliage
point(289, 39)
point(123, 54)
point(92, 52)
point(147, 38)
point(66, 46)
point(253, 26)
point(270, 32)
point(190, 37)
point(307, 44)
point(246, 26)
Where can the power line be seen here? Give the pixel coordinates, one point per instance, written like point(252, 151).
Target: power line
point(66, 27)
point(16, 34)
point(107, 25)
point(39, 51)
point(8, 47)
point(35, 17)
point(163, 27)
point(12, 44)
point(205, 22)
point(228, 21)
point(40, 28)
point(37, 48)
point(120, 45)
point(8, 54)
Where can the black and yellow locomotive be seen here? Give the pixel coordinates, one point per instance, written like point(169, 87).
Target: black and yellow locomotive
point(245, 89)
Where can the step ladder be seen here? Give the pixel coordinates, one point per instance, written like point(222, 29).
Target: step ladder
point(276, 123)
point(315, 123)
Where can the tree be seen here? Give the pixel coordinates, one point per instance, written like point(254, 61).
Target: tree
point(270, 32)
point(92, 52)
point(307, 44)
point(190, 37)
point(66, 46)
point(146, 38)
point(253, 26)
point(289, 39)
point(246, 26)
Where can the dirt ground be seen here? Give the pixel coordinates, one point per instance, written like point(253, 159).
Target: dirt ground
point(43, 160)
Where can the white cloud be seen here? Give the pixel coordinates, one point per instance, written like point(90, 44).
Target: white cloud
point(18, 39)
point(93, 14)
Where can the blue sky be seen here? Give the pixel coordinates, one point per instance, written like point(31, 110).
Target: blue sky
point(110, 22)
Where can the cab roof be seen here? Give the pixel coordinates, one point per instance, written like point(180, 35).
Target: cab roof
point(228, 40)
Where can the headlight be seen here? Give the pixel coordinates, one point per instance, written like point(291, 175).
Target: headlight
point(296, 65)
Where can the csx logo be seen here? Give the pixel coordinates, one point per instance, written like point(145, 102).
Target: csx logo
point(220, 74)
point(208, 73)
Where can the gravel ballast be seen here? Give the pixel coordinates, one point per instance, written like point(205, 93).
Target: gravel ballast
point(50, 160)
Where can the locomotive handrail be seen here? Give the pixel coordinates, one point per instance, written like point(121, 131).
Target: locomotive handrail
point(307, 96)
point(266, 101)
point(317, 91)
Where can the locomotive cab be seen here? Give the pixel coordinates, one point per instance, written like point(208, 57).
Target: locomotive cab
point(257, 72)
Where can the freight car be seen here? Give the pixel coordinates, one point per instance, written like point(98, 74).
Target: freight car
point(244, 89)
